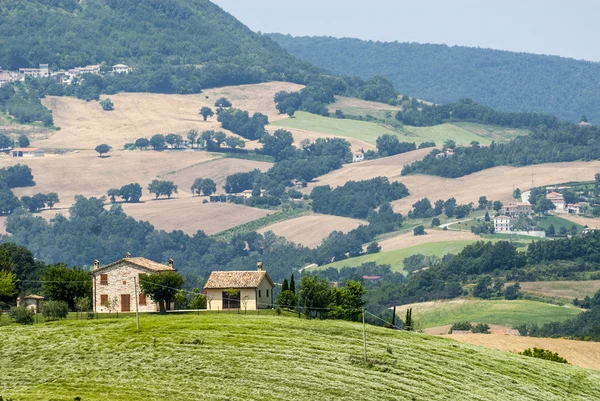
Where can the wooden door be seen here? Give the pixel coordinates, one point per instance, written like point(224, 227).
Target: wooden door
point(125, 302)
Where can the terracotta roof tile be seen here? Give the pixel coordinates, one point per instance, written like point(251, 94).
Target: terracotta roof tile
point(140, 262)
point(236, 279)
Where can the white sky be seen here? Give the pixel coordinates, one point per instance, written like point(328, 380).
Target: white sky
point(567, 28)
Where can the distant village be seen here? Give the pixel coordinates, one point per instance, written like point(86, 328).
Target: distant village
point(65, 77)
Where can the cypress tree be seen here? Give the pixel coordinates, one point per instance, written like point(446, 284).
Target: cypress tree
point(408, 322)
point(292, 284)
point(285, 286)
point(394, 317)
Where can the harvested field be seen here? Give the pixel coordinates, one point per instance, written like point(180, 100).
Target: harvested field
point(495, 183)
point(84, 173)
point(385, 167)
point(301, 135)
point(585, 354)
point(408, 239)
point(562, 289)
point(84, 125)
point(581, 220)
point(217, 170)
point(190, 214)
point(343, 102)
point(311, 230)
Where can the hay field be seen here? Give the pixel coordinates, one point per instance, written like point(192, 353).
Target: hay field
point(311, 230)
point(585, 354)
point(303, 135)
point(562, 289)
point(385, 167)
point(495, 183)
point(348, 103)
point(499, 312)
point(84, 173)
point(591, 222)
point(408, 239)
point(267, 357)
point(190, 214)
point(84, 125)
point(217, 170)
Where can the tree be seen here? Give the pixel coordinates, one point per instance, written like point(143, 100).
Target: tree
point(206, 112)
point(231, 293)
point(483, 202)
point(53, 310)
point(449, 144)
point(497, 206)
point(131, 193)
point(173, 139)
point(203, 186)
point(8, 285)
point(482, 288)
point(449, 207)
point(52, 199)
point(103, 149)
point(280, 144)
point(191, 136)
point(285, 286)
point(487, 217)
point(159, 187)
point(419, 230)
point(517, 193)
point(373, 247)
point(112, 194)
point(290, 112)
point(292, 284)
point(551, 231)
point(286, 299)
point(5, 142)
point(435, 222)
point(544, 205)
point(223, 102)
point(234, 142)
point(107, 105)
point(219, 137)
point(512, 292)
point(161, 287)
point(314, 294)
point(23, 141)
point(61, 283)
point(157, 142)
point(198, 300)
point(82, 304)
point(142, 143)
point(408, 321)
point(22, 315)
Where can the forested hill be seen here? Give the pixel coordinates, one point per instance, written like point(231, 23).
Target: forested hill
point(167, 36)
point(509, 81)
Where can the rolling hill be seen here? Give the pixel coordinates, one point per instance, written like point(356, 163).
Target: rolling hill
point(505, 80)
point(248, 357)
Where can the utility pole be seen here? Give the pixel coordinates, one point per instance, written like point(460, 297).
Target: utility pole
point(137, 312)
point(364, 337)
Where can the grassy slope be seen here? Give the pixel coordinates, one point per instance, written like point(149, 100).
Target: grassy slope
point(562, 289)
point(558, 222)
point(506, 313)
point(462, 133)
point(266, 357)
point(396, 258)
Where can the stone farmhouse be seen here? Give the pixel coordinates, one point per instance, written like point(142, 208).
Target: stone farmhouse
point(249, 290)
point(43, 71)
point(117, 285)
point(32, 302)
point(121, 69)
point(558, 200)
point(518, 209)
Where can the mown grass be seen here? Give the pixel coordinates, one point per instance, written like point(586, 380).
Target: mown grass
point(501, 312)
point(461, 133)
point(562, 289)
point(240, 357)
point(396, 258)
point(557, 222)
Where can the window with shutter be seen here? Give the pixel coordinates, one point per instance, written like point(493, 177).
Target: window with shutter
point(267, 293)
point(103, 299)
point(142, 300)
point(104, 279)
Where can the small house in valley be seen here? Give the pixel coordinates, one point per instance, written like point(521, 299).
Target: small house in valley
point(116, 286)
point(33, 302)
point(358, 157)
point(27, 152)
point(249, 290)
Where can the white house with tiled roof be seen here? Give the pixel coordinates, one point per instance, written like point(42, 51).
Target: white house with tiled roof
point(248, 290)
point(502, 224)
point(118, 283)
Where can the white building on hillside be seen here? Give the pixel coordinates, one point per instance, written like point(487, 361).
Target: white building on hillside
point(121, 69)
point(502, 224)
point(358, 157)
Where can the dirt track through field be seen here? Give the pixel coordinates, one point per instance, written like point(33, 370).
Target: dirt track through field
point(311, 230)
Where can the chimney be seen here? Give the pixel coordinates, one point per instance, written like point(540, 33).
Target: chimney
point(259, 266)
point(127, 255)
point(171, 262)
point(96, 264)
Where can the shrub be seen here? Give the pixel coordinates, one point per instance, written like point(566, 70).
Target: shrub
point(419, 230)
point(543, 354)
point(466, 326)
point(22, 315)
point(482, 328)
point(55, 310)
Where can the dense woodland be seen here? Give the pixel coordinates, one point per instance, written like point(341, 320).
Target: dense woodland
point(441, 74)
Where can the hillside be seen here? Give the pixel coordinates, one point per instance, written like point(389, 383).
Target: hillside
point(267, 357)
point(161, 39)
point(504, 80)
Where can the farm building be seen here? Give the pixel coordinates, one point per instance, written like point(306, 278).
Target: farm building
point(518, 209)
point(33, 302)
point(557, 200)
point(250, 290)
point(117, 284)
point(27, 152)
point(358, 157)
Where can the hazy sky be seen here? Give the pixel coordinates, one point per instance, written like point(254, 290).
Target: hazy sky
point(567, 28)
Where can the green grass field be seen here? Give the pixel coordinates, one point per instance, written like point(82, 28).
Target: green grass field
point(558, 222)
point(461, 133)
point(505, 313)
point(396, 258)
point(238, 357)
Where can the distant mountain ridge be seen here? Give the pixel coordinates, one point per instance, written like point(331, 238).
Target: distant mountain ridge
point(508, 81)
